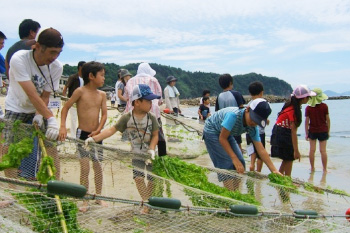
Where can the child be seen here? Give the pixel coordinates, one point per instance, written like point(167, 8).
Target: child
point(142, 128)
point(256, 90)
point(90, 101)
point(317, 127)
point(205, 93)
point(113, 99)
point(171, 95)
point(284, 139)
point(222, 147)
point(204, 110)
point(229, 98)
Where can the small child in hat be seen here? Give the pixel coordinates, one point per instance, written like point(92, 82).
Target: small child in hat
point(317, 127)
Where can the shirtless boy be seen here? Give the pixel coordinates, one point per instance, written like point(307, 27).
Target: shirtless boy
point(90, 101)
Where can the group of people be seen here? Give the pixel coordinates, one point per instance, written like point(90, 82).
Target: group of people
point(34, 73)
point(223, 129)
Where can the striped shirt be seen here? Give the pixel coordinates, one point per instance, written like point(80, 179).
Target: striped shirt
point(153, 83)
point(230, 118)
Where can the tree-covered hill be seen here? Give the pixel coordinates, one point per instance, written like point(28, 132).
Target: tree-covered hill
point(191, 84)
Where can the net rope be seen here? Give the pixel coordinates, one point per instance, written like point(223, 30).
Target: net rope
point(111, 174)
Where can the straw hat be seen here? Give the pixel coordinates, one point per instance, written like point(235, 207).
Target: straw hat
point(320, 96)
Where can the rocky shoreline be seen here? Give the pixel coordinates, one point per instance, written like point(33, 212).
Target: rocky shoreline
point(270, 98)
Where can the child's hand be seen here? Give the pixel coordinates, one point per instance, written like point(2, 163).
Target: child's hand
point(297, 155)
point(93, 133)
point(87, 141)
point(152, 153)
point(62, 134)
point(239, 166)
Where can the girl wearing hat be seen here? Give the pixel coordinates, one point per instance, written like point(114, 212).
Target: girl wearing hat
point(284, 140)
point(171, 96)
point(317, 126)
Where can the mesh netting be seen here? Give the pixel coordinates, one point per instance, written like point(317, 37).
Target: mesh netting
point(120, 188)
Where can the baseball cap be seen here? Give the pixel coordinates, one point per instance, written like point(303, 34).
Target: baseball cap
point(143, 91)
point(50, 37)
point(302, 91)
point(259, 111)
point(124, 72)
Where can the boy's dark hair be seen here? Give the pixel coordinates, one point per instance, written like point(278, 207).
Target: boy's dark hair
point(91, 67)
point(2, 35)
point(205, 98)
point(255, 88)
point(225, 80)
point(133, 102)
point(26, 26)
point(205, 92)
point(80, 64)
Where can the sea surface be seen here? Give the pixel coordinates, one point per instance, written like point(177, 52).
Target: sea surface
point(338, 147)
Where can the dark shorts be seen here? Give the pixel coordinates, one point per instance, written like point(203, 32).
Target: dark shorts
point(238, 139)
point(96, 154)
point(318, 136)
point(262, 139)
point(139, 165)
point(281, 143)
point(112, 102)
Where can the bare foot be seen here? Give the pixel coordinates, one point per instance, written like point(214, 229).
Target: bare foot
point(6, 203)
point(101, 203)
point(85, 207)
point(145, 210)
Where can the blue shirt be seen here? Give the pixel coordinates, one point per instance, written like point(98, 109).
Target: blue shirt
point(230, 118)
point(2, 64)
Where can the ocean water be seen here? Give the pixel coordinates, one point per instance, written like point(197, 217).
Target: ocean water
point(338, 146)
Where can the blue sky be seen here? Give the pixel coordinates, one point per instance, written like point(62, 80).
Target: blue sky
point(301, 42)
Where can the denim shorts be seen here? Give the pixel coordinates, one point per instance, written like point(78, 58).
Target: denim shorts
point(219, 156)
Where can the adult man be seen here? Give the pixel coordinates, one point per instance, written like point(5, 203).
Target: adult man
point(74, 81)
point(27, 31)
point(145, 75)
point(34, 74)
point(2, 60)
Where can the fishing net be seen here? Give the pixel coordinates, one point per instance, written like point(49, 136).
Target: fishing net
point(120, 194)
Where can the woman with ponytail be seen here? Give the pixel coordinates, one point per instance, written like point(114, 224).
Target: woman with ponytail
point(284, 140)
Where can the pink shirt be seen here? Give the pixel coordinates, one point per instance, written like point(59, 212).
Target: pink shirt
point(153, 83)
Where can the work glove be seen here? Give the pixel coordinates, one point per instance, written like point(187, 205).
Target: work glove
point(39, 120)
point(52, 129)
point(152, 153)
point(87, 141)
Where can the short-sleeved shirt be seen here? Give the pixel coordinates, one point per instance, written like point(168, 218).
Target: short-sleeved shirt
point(139, 134)
point(317, 115)
point(286, 118)
point(230, 118)
point(121, 86)
point(24, 68)
point(229, 99)
point(204, 110)
point(24, 44)
point(2, 64)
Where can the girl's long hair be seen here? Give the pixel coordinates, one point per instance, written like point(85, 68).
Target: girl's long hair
point(297, 110)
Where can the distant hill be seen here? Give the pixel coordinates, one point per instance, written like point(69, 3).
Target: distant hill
point(334, 94)
point(191, 84)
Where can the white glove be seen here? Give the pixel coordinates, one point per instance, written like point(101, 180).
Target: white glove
point(52, 129)
point(39, 120)
point(87, 141)
point(152, 153)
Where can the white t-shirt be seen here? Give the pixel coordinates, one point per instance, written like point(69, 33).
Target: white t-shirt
point(23, 68)
point(116, 92)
